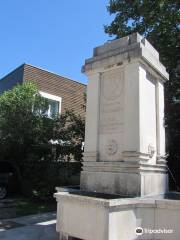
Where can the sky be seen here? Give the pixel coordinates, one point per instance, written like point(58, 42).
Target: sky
point(56, 35)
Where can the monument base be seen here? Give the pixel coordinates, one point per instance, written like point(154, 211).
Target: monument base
point(124, 178)
point(86, 217)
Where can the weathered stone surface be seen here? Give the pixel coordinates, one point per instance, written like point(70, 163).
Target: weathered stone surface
point(124, 122)
point(92, 218)
point(124, 150)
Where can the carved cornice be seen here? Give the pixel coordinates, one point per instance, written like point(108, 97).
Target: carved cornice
point(160, 159)
point(90, 156)
point(123, 167)
point(109, 56)
point(134, 155)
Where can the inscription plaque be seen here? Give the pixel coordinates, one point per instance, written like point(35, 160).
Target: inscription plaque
point(111, 114)
point(111, 102)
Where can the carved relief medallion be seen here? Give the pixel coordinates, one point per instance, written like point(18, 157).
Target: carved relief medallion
point(111, 147)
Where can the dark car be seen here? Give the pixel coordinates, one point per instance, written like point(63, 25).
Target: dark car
point(9, 179)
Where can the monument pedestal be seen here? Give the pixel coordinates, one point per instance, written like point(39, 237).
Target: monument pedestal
point(125, 136)
point(124, 178)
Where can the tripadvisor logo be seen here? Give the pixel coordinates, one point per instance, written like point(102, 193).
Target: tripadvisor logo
point(139, 231)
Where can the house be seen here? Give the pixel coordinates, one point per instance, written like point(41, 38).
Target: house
point(62, 93)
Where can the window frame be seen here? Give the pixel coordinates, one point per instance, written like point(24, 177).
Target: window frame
point(51, 97)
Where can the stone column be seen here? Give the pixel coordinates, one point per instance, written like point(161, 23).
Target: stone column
point(125, 139)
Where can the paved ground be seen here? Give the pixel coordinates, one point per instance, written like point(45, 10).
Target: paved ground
point(33, 227)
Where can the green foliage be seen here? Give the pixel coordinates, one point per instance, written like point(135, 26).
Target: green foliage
point(48, 175)
point(23, 123)
point(35, 142)
point(25, 129)
point(158, 21)
point(70, 127)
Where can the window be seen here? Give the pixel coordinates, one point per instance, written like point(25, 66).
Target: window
point(54, 103)
point(53, 107)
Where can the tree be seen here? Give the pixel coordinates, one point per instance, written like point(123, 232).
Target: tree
point(27, 138)
point(158, 21)
point(23, 122)
point(70, 128)
point(25, 128)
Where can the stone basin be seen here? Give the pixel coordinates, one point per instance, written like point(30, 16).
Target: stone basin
point(97, 216)
point(98, 195)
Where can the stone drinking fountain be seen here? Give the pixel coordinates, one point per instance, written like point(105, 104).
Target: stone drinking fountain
point(124, 182)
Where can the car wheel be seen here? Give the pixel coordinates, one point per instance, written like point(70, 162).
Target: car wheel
point(3, 192)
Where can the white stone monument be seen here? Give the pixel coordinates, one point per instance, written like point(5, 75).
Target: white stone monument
point(124, 177)
point(125, 137)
